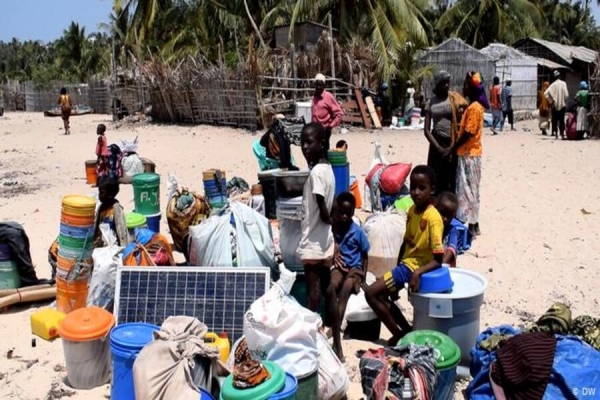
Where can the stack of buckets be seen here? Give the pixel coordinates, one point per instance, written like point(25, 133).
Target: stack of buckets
point(215, 188)
point(146, 197)
point(341, 170)
point(75, 246)
point(9, 273)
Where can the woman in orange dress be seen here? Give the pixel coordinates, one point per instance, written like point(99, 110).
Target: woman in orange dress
point(544, 110)
point(64, 101)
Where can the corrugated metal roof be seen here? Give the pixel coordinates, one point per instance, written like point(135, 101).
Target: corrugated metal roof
point(499, 51)
point(569, 53)
point(550, 64)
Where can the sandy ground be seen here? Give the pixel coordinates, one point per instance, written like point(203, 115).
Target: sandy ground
point(540, 216)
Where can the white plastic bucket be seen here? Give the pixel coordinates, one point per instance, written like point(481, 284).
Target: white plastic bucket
point(88, 363)
point(304, 109)
point(456, 314)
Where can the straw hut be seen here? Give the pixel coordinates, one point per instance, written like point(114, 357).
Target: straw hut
point(521, 69)
point(576, 62)
point(457, 57)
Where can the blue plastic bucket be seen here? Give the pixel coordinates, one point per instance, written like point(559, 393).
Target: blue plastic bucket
point(5, 252)
point(215, 192)
point(73, 254)
point(445, 383)
point(205, 395)
point(213, 183)
point(126, 341)
point(77, 232)
point(289, 390)
point(342, 178)
point(153, 222)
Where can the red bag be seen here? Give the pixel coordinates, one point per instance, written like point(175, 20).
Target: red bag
point(373, 172)
point(571, 127)
point(393, 177)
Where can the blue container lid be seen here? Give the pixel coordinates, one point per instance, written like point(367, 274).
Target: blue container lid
point(205, 395)
point(289, 389)
point(132, 336)
point(436, 281)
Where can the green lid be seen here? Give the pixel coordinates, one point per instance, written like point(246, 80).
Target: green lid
point(146, 177)
point(404, 203)
point(261, 392)
point(446, 352)
point(135, 220)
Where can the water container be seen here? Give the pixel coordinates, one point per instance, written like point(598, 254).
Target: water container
point(267, 181)
point(342, 178)
point(5, 252)
point(354, 189)
point(153, 222)
point(308, 386)
point(304, 109)
point(78, 205)
point(436, 281)
point(288, 392)
point(261, 392)
point(71, 295)
point(90, 172)
point(146, 193)
point(455, 314)
point(85, 343)
point(447, 356)
point(9, 275)
point(126, 341)
point(219, 341)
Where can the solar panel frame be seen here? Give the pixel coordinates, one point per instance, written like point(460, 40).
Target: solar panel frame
point(217, 301)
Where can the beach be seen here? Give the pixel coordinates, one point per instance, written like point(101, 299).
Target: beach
point(540, 213)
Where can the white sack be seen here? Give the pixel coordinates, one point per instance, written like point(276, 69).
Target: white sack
point(385, 231)
point(106, 261)
point(333, 379)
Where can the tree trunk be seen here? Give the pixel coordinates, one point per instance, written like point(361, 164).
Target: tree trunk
point(262, 42)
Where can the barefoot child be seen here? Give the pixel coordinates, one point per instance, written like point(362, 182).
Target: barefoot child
point(316, 244)
point(103, 164)
point(422, 251)
point(447, 205)
point(64, 101)
point(347, 278)
point(110, 212)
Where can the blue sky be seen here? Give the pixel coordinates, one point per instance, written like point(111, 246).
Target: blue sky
point(46, 19)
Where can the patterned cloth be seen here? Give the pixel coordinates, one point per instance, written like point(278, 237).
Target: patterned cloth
point(582, 120)
point(472, 122)
point(249, 374)
point(506, 97)
point(420, 363)
point(468, 178)
point(374, 376)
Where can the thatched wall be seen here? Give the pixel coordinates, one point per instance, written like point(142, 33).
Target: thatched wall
point(457, 58)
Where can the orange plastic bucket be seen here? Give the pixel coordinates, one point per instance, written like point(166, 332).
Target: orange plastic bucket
point(90, 172)
point(356, 192)
point(71, 295)
point(65, 263)
point(75, 220)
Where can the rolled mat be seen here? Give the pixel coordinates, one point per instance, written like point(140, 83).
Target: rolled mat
point(8, 292)
point(27, 297)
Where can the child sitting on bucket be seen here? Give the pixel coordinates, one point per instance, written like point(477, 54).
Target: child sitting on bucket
point(316, 246)
point(110, 212)
point(447, 204)
point(348, 274)
point(422, 251)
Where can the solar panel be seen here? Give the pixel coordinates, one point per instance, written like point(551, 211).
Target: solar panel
point(218, 297)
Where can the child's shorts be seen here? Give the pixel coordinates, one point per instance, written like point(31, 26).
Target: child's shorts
point(397, 278)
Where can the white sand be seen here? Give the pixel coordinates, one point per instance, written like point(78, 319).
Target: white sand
point(537, 245)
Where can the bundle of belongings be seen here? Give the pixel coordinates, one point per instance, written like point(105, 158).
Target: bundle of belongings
point(237, 236)
point(554, 358)
point(177, 362)
point(278, 138)
point(149, 249)
point(13, 236)
point(384, 182)
point(384, 371)
point(184, 209)
point(237, 187)
point(132, 163)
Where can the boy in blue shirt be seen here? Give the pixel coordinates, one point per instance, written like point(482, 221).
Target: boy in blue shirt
point(447, 204)
point(350, 264)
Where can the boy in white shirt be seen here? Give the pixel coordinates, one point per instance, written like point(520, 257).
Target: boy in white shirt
point(316, 248)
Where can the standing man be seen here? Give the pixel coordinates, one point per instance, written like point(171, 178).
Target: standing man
point(506, 100)
point(496, 105)
point(325, 108)
point(557, 94)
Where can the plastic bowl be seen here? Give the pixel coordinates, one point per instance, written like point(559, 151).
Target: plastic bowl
point(291, 183)
point(437, 281)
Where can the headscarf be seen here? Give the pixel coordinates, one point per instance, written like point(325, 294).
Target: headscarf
point(320, 77)
point(583, 85)
point(475, 81)
point(441, 77)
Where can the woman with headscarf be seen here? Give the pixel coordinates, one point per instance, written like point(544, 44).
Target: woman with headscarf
point(442, 117)
point(544, 110)
point(325, 108)
point(468, 149)
point(582, 98)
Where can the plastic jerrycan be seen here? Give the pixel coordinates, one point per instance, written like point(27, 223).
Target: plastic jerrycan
point(221, 342)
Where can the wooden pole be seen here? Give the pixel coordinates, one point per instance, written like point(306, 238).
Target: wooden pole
point(331, 48)
point(294, 72)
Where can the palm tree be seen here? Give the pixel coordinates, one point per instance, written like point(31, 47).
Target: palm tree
point(482, 22)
